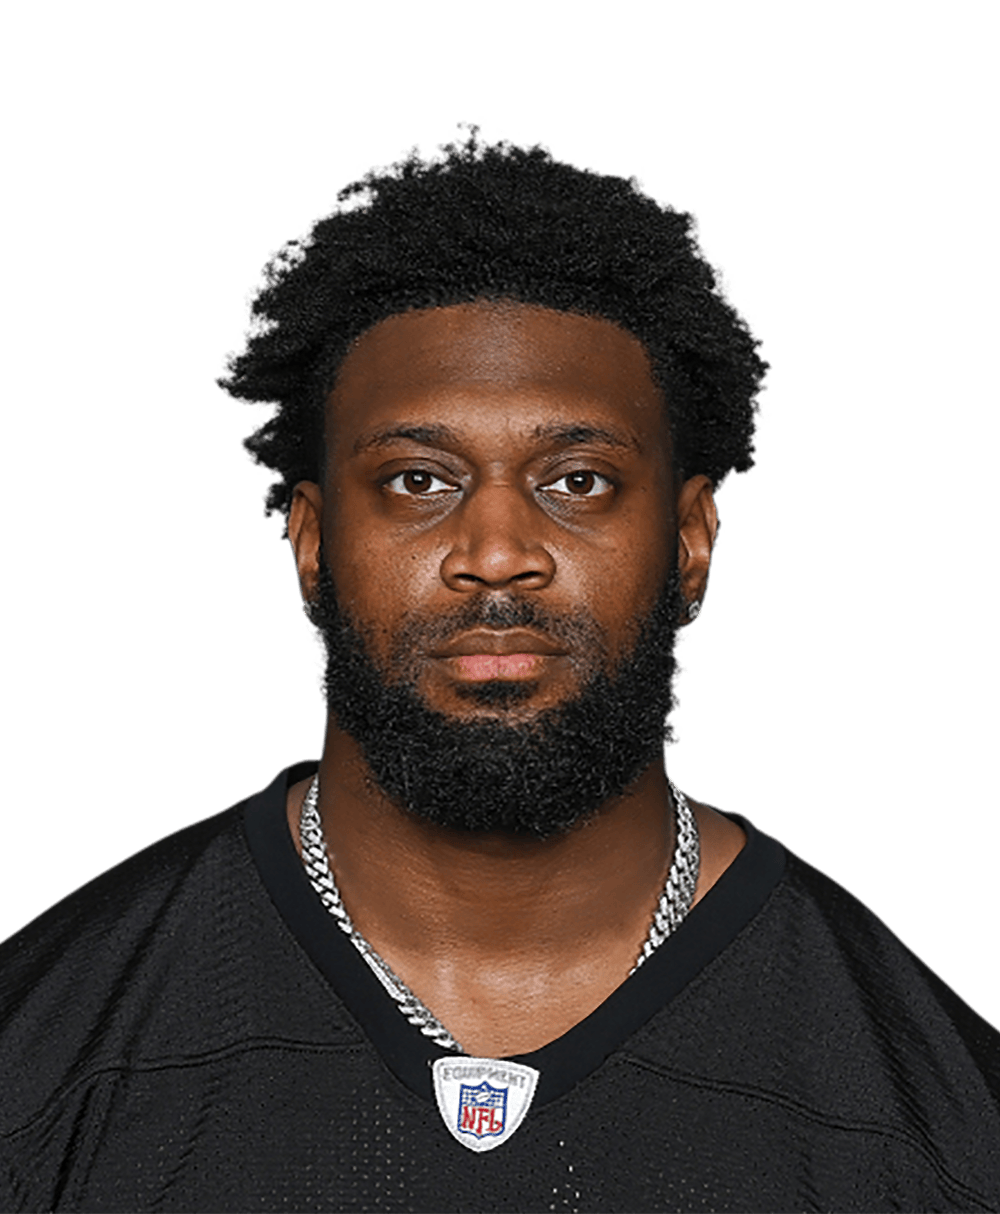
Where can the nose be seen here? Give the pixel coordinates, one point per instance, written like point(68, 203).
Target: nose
point(497, 543)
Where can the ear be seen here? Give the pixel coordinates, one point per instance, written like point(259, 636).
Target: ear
point(697, 523)
point(305, 534)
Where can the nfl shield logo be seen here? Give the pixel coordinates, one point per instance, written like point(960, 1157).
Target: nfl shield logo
point(482, 1110)
point(482, 1100)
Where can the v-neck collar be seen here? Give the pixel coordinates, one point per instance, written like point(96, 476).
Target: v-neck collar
point(712, 924)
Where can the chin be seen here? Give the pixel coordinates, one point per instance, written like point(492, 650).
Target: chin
point(498, 693)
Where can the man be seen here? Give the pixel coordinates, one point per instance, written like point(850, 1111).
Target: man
point(484, 956)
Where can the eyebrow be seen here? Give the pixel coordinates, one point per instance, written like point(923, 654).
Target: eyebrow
point(558, 434)
point(427, 436)
point(581, 432)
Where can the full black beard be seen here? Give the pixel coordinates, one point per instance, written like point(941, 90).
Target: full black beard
point(538, 778)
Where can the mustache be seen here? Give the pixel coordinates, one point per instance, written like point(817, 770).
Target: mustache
point(422, 631)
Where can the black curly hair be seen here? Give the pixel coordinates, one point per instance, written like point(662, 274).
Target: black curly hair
point(489, 223)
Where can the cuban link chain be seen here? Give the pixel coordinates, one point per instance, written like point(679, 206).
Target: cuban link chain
point(672, 907)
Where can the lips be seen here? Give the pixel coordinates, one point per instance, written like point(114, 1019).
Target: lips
point(489, 654)
point(480, 666)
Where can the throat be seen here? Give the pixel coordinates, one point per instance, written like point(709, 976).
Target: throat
point(503, 1010)
point(500, 954)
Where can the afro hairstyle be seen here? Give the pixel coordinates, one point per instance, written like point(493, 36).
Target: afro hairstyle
point(491, 223)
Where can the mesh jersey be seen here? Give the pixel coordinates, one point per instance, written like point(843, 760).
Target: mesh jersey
point(192, 1032)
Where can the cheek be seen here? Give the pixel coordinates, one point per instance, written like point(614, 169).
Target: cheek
point(631, 567)
point(377, 583)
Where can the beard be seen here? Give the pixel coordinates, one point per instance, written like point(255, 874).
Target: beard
point(538, 777)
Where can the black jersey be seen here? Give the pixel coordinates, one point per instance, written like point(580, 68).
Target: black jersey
point(192, 1031)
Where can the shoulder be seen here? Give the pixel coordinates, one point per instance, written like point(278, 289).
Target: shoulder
point(167, 957)
point(822, 1022)
point(64, 977)
point(142, 878)
point(844, 945)
point(841, 986)
point(109, 913)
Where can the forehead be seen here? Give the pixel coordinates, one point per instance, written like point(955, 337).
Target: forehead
point(535, 362)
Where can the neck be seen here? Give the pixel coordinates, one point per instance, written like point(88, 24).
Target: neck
point(415, 887)
point(509, 940)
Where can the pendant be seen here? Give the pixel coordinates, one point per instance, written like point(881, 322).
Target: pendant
point(482, 1101)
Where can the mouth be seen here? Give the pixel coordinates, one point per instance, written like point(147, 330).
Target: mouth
point(485, 654)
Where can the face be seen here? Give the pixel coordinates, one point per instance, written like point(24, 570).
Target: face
point(496, 454)
point(499, 515)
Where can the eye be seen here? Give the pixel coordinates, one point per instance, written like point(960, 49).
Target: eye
point(418, 482)
point(583, 483)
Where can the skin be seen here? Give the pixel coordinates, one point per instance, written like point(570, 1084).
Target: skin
point(499, 450)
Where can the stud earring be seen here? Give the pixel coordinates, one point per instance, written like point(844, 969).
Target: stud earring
point(693, 608)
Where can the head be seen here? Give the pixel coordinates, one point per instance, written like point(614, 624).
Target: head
point(506, 390)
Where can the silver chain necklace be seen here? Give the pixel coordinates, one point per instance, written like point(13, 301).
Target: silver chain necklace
point(673, 906)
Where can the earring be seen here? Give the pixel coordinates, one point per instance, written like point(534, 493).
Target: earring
point(693, 608)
